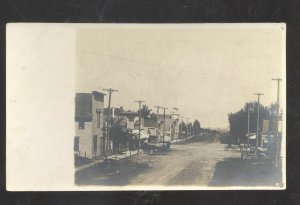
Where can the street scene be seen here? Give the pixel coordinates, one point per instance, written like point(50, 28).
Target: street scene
point(196, 162)
point(174, 107)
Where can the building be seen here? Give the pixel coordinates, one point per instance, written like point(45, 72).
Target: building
point(129, 118)
point(89, 141)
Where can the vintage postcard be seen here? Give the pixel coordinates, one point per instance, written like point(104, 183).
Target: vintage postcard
point(146, 106)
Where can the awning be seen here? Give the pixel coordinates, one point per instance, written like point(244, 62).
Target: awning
point(144, 135)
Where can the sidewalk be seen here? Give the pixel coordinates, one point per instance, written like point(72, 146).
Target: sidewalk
point(111, 157)
point(182, 140)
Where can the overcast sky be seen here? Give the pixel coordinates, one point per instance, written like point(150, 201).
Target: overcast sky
point(205, 71)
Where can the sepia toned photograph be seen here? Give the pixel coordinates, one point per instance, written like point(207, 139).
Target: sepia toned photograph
point(195, 106)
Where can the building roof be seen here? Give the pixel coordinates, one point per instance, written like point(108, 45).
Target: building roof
point(98, 96)
point(98, 93)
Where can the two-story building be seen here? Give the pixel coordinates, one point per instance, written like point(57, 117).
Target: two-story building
point(89, 141)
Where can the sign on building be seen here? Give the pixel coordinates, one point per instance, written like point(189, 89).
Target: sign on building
point(266, 124)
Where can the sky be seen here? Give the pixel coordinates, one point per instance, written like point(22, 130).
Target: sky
point(206, 71)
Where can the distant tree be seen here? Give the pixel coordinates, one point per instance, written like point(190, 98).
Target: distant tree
point(238, 121)
point(196, 127)
point(273, 117)
point(182, 126)
point(190, 128)
point(145, 111)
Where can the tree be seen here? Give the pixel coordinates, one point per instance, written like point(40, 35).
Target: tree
point(238, 121)
point(145, 111)
point(196, 127)
point(190, 128)
point(182, 128)
point(120, 135)
point(153, 116)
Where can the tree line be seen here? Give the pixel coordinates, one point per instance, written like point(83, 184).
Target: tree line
point(238, 121)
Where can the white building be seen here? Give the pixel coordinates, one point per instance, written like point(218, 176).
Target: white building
point(89, 141)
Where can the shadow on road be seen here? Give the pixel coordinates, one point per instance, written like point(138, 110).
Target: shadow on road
point(110, 173)
point(240, 172)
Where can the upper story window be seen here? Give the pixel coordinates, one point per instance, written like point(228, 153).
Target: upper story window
point(98, 117)
point(130, 119)
point(81, 125)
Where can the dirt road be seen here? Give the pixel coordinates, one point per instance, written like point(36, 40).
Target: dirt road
point(187, 164)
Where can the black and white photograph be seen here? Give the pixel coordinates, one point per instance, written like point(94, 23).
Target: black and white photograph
point(175, 107)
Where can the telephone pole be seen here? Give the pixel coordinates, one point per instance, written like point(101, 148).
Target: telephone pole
point(157, 107)
point(277, 121)
point(257, 125)
point(140, 106)
point(110, 91)
point(176, 112)
point(173, 134)
point(157, 117)
point(164, 108)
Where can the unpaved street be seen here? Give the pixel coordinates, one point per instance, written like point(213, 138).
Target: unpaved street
point(187, 164)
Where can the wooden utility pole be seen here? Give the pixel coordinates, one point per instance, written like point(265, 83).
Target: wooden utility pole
point(174, 114)
point(257, 125)
point(164, 108)
point(110, 91)
point(140, 106)
point(157, 117)
point(277, 121)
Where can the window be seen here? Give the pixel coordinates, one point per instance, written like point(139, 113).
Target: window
point(81, 125)
point(98, 117)
point(130, 119)
point(76, 143)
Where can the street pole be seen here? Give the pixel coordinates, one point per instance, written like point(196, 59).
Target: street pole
point(257, 125)
point(157, 116)
point(110, 91)
point(176, 114)
point(277, 123)
point(140, 106)
point(164, 122)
